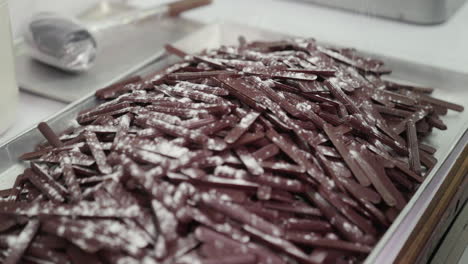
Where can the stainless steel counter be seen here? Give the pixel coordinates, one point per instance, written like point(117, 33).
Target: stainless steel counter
point(413, 11)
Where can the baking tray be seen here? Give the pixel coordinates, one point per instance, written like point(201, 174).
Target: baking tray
point(426, 12)
point(452, 87)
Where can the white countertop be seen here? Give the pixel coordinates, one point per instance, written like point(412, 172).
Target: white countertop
point(441, 45)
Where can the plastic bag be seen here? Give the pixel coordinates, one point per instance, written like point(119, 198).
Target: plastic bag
point(60, 42)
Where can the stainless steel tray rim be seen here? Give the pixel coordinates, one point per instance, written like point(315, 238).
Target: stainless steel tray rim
point(404, 214)
point(56, 115)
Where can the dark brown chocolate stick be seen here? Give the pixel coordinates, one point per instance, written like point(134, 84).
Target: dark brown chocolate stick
point(14, 254)
point(197, 75)
point(317, 241)
point(70, 178)
point(242, 127)
point(44, 182)
point(279, 243)
point(49, 134)
point(412, 140)
point(82, 209)
point(338, 141)
point(438, 102)
point(415, 117)
point(263, 254)
point(173, 50)
point(249, 161)
point(270, 152)
point(391, 85)
point(99, 155)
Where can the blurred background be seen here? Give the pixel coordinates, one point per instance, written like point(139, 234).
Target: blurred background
point(427, 31)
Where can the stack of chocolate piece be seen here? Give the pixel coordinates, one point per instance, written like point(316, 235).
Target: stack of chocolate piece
point(266, 152)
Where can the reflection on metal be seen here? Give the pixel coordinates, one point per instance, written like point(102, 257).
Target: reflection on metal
point(105, 10)
point(412, 11)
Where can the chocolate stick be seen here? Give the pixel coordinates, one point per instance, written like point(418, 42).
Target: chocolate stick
point(412, 139)
point(16, 251)
point(49, 134)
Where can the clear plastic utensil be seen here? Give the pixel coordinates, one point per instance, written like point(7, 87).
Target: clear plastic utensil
point(8, 86)
point(71, 46)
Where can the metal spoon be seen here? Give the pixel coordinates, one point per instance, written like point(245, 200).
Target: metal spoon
point(68, 45)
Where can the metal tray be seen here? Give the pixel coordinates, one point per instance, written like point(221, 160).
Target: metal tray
point(449, 143)
point(426, 12)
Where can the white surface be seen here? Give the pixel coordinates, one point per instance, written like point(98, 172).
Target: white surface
point(8, 88)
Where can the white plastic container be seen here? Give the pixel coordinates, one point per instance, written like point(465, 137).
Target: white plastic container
point(8, 87)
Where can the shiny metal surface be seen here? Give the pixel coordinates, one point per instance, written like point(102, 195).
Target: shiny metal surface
point(105, 9)
point(451, 86)
point(413, 11)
